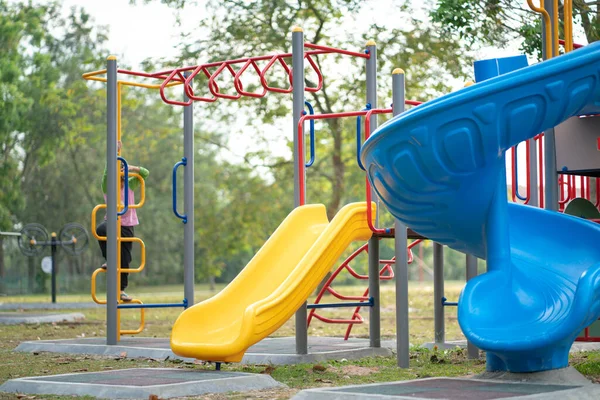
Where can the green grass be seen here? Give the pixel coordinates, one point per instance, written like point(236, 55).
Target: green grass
point(423, 363)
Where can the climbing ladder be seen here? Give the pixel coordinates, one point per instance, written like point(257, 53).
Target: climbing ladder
point(386, 273)
point(122, 208)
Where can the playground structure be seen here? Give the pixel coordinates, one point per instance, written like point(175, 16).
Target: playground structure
point(536, 298)
point(184, 76)
point(34, 238)
point(191, 321)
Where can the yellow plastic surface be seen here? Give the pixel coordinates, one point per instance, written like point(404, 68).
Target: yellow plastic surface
point(274, 284)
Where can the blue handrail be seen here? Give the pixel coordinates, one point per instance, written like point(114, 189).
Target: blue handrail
point(180, 163)
point(311, 111)
point(359, 137)
point(160, 305)
point(517, 174)
point(447, 303)
point(126, 188)
point(368, 303)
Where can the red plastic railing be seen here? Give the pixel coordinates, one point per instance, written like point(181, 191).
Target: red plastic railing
point(575, 45)
point(514, 177)
point(568, 184)
point(385, 273)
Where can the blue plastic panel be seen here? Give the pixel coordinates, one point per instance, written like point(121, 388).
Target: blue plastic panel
point(440, 169)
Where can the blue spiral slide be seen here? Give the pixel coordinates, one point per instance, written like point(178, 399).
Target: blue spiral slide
point(440, 169)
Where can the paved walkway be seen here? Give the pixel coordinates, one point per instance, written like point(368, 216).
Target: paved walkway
point(140, 383)
point(48, 306)
point(16, 318)
point(277, 351)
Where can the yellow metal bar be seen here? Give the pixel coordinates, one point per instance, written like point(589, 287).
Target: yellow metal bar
point(93, 73)
point(142, 254)
point(136, 84)
point(93, 290)
point(142, 321)
point(547, 23)
point(142, 200)
point(568, 25)
point(119, 207)
point(94, 212)
point(555, 30)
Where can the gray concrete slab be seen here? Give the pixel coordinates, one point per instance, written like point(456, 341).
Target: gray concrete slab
point(140, 383)
point(16, 318)
point(276, 351)
point(577, 346)
point(563, 376)
point(454, 389)
point(48, 306)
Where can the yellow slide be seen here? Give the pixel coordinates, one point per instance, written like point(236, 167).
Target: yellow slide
point(274, 284)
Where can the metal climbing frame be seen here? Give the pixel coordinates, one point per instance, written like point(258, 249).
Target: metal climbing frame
point(386, 273)
point(184, 76)
point(115, 205)
point(371, 297)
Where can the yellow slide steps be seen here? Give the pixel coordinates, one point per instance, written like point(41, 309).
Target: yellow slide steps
point(274, 284)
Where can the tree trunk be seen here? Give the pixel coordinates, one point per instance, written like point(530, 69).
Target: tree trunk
point(2, 269)
point(421, 262)
point(30, 275)
point(338, 184)
point(211, 283)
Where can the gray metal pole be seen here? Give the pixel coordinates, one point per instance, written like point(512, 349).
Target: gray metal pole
point(550, 171)
point(188, 201)
point(438, 293)
point(533, 175)
point(375, 311)
point(400, 244)
point(111, 202)
point(298, 107)
point(472, 350)
point(371, 72)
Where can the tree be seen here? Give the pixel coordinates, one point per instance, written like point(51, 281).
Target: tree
point(43, 55)
point(428, 58)
point(500, 22)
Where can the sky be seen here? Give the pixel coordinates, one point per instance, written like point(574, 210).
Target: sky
point(138, 32)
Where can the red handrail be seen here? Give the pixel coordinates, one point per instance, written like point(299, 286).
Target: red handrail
point(335, 50)
point(575, 45)
point(368, 116)
point(300, 148)
point(540, 139)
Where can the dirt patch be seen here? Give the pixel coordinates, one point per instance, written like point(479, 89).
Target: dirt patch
point(354, 370)
point(271, 394)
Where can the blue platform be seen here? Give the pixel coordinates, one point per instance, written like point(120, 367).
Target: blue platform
point(440, 169)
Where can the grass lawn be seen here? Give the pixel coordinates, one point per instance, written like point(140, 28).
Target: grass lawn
point(159, 321)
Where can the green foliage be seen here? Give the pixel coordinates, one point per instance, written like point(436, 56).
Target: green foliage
point(501, 22)
point(53, 127)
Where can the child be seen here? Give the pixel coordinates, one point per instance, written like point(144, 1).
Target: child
point(128, 221)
